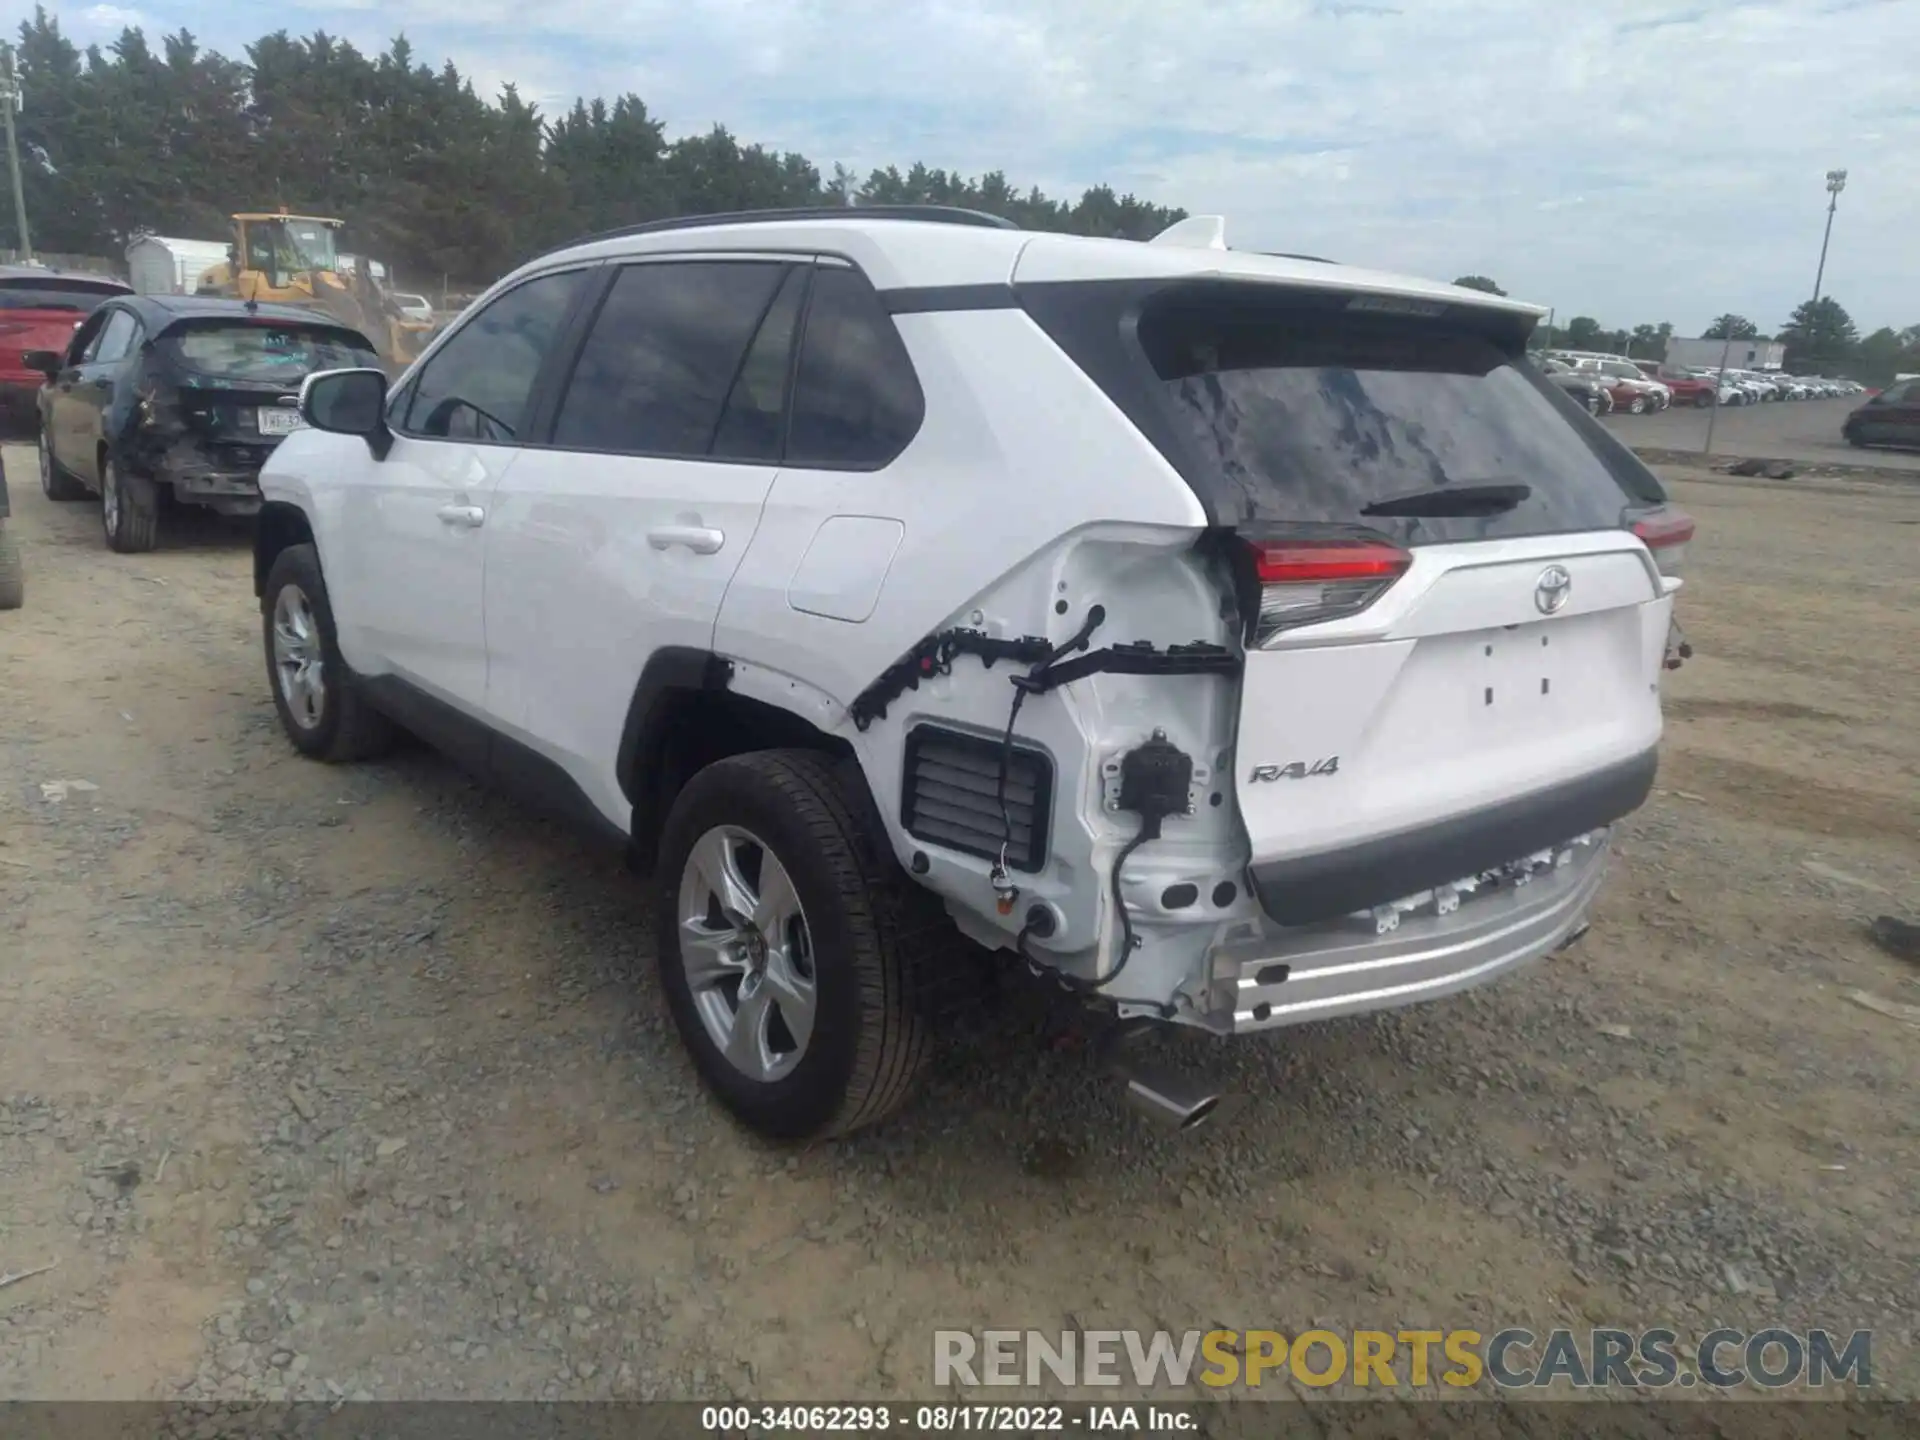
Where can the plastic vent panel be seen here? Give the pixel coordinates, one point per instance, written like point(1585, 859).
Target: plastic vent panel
point(949, 795)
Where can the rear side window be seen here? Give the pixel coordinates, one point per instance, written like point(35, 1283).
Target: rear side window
point(1309, 413)
point(856, 402)
point(751, 426)
point(65, 294)
point(664, 355)
point(479, 385)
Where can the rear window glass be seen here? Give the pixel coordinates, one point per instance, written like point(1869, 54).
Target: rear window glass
point(25, 293)
point(1310, 416)
point(255, 351)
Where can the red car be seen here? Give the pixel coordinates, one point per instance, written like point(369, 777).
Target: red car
point(1688, 388)
point(40, 308)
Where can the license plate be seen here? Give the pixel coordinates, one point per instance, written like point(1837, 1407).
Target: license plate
point(279, 422)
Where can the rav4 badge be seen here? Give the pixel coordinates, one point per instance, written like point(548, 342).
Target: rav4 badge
point(1297, 770)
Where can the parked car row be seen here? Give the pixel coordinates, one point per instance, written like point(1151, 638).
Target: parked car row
point(1604, 383)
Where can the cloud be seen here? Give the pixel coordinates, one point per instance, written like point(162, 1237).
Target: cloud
point(114, 18)
point(1636, 161)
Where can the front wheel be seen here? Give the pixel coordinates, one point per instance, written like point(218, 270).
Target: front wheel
point(316, 696)
point(55, 482)
point(788, 941)
point(1703, 401)
point(1637, 405)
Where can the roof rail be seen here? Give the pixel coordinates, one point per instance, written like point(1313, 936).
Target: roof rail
point(930, 214)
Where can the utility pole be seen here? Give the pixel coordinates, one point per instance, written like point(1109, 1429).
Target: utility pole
point(1719, 383)
point(10, 99)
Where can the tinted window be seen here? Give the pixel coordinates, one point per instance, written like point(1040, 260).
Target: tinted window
point(855, 399)
point(1311, 416)
point(117, 338)
point(479, 384)
point(63, 293)
point(751, 425)
point(663, 355)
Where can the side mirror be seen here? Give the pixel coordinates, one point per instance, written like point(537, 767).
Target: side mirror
point(48, 362)
point(349, 402)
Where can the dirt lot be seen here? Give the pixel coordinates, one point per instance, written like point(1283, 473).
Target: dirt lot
point(1804, 430)
point(335, 1082)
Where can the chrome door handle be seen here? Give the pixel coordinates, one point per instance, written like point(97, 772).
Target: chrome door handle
point(466, 517)
point(701, 539)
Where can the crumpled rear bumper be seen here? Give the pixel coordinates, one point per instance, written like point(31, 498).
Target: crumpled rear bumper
point(1426, 947)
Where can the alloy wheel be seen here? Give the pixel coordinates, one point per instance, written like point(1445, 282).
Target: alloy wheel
point(298, 664)
point(747, 953)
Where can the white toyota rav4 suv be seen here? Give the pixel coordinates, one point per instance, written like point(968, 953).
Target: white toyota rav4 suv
point(1239, 640)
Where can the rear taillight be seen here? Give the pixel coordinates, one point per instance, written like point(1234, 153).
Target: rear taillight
point(1303, 582)
point(1666, 533)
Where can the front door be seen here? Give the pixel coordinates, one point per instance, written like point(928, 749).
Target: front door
point(407, 594)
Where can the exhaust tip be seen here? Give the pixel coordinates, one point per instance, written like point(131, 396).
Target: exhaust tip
point(1171, 1101)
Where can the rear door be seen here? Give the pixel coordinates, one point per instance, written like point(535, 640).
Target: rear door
point(619, 535)
point(1455, 625)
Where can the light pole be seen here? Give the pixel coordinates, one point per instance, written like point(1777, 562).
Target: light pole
point(1836, 182)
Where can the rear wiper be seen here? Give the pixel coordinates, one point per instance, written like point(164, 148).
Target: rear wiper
point(1463, 500)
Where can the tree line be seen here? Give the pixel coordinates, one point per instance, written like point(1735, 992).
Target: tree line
point(1820, 337)
point(433, 178)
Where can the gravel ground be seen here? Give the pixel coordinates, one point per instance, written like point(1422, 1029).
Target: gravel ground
point(337, 1083)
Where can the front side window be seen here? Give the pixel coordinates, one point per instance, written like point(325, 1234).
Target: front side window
point(664, 355)
point(117, 339)
point(479, 386)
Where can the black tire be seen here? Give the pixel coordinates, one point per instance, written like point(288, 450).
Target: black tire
point(13, 575)
point(129, 509)
point(1703, 401)
point(56, 481)
point(1637, 405)
point(346, 727)
point(869, 927)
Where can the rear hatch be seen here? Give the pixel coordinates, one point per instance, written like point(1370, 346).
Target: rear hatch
point(40, 311)
point(1454, 633)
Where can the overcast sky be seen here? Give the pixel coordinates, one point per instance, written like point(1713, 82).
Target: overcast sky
point(1635, 160)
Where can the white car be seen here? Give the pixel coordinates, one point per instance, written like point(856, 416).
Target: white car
point(1230, 640)
point(414, 307)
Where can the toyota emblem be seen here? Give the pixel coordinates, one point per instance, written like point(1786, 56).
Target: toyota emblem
point(1551, 590)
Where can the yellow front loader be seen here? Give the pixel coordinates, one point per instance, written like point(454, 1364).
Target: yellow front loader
point(295, 260)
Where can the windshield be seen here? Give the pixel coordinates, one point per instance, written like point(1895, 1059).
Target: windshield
point(28, 293)
point(260, 350)
point(291, 245)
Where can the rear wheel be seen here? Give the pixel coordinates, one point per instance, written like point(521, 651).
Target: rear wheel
point(1637, 405)
point(129, 509)
point(788, 942)
point(55, 482)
